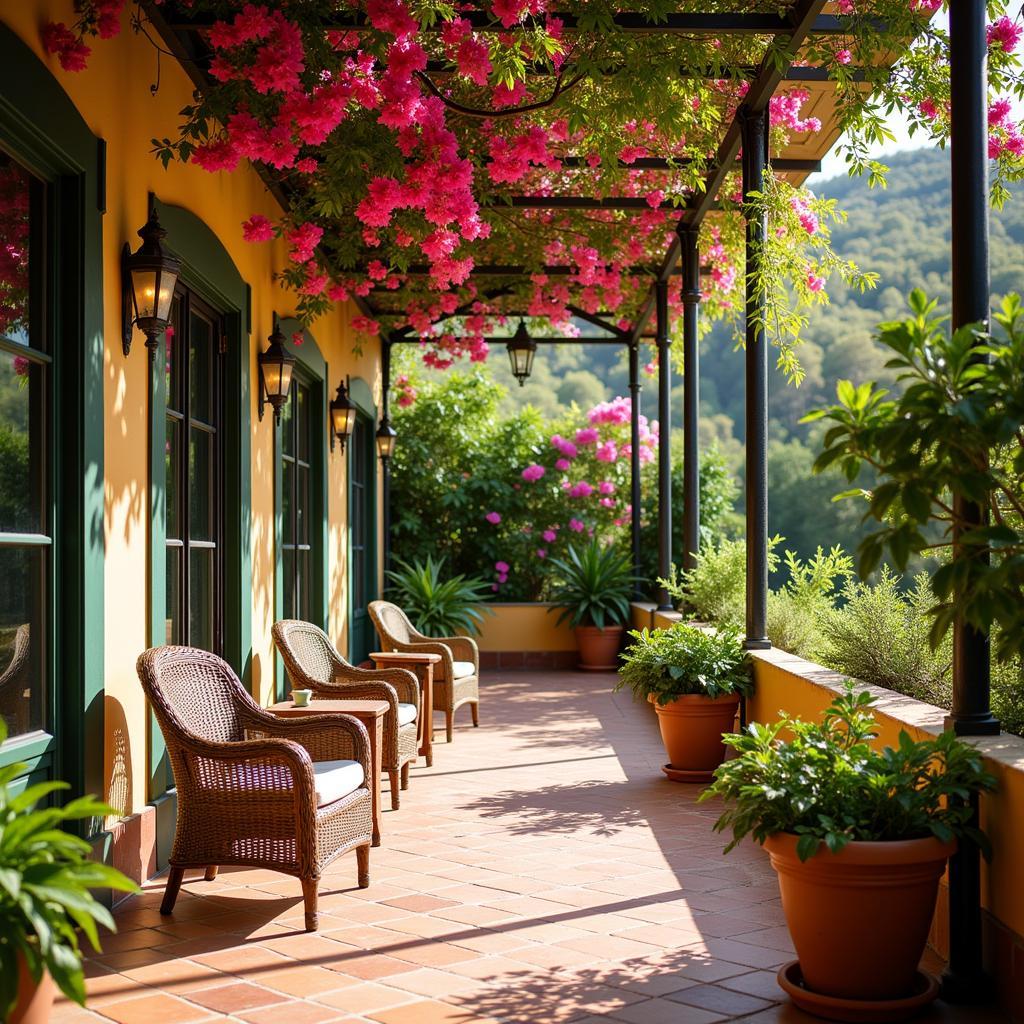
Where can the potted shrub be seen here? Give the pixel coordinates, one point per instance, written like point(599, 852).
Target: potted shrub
point(694, 678)
point(46, 883)
point(859, 838)
point(593, 585)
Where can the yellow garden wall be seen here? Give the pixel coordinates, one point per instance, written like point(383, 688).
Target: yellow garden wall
point(524, 627)
point(113, 95)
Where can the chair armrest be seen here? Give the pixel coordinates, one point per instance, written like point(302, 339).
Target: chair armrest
point(401, 680)
point(432, 647)
point(330, 737)
point(339, 689)
point(463, 648)
point(349, 682)
point(265, 755)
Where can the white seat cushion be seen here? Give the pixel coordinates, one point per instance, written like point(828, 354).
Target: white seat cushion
point(335, 779)
point(463, 669)
point(406, 714)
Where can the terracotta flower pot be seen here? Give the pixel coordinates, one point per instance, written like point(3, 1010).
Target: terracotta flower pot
point(859, 918)
point(691, 729)
point(599, 648)
point(35, 1001)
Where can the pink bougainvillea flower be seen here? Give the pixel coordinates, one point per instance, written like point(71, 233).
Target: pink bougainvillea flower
point(493, 518)
point(22, 366)
point(607, 452)
point(533, 472)
point(542, 552)
point(1004, 33)
point(606, 487)
point(576, 525)
point(503, 578)
point(814, 282)
point(581, 490)
point(502, 567)
point(843, 56)
point(562, 464)
point(550, 536)
point(257, 229)
point(588, 435)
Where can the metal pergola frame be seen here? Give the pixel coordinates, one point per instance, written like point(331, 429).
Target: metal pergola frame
point(748, 130)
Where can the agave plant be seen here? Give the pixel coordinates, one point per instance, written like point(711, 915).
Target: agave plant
point(46, 882)
point(436, 606)
point(593, 585)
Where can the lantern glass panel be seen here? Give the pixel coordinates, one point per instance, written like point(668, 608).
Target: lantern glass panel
point(166, 281)
point(144, 288)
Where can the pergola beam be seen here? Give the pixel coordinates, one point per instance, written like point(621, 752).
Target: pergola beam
point(579, 203)
point(521, 270)
point(661, 163)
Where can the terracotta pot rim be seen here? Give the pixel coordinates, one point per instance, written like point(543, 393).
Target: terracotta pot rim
point(693, 699)
point(599, 629)
point(868, 852)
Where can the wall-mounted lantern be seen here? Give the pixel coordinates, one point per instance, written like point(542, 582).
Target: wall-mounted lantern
point(343, 416)
point(148, 277)
point(521, 350)
point(275, 365)
point(386, 435)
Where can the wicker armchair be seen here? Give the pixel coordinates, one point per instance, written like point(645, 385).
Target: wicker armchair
point(285, 794)
point(15, 685)
point(313, 663)
point(457, 675)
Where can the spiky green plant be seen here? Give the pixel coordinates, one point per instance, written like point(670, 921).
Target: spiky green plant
point(593, 585)
point(436, 606)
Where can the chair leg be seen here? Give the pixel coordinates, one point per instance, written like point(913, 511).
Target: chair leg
point(309, 898)
point(363, 865)
point(393, 780)
point(405, 775)
point(449, 722)
point(475, 708)
point(174, 877)
point(211, 872)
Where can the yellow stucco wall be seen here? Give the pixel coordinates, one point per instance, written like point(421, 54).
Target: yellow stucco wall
point(113, 95)
point(525, 627)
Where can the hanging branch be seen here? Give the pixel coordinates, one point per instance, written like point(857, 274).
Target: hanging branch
point(483, 112)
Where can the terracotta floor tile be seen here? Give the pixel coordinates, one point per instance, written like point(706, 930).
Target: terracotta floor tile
point(721, 1000)
point(366, 999)
point(370, 966)
point(237, 995)
point(429, 1013)
point(156, 1008)
point(175, 975)
point(295, 1012)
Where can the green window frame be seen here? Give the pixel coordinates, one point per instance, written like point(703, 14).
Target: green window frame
point(44, 132)
point(363, 538)
point(292, 542)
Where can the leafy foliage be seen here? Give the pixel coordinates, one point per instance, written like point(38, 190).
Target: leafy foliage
point(827, 784)
point(593, 585)
point(46, 882)
point(682, 660)
point(957, 427)
point(436, 606)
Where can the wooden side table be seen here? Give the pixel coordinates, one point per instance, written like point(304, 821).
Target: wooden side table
point(371, 713)
point(422, 666)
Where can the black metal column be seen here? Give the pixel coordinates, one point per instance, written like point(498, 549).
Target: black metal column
point(965, 980)
point(664, 442)
point(634, 459)
point(385, 464)
point(690, 257)
point(754, 128)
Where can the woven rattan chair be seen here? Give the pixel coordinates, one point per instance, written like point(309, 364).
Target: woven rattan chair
point(313, 663)
point(16, 686)
point(456, 676)
point(285, 794)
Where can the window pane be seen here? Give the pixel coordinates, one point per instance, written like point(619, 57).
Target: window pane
point(22, 228)
point(287, 501)
point(201, 598)
point(302, 511)
point(201, 367)
point(302, 584)
point(288, 583)
point(173, 632)
point(22, 441)
point(200, 484)
point(23, 685)
point(288, 424)
point(302, 394)
point(172, 469)
point(173, 347)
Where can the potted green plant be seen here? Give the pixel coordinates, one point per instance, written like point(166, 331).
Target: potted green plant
point(592, 585)
point(859, 838)
point(436, 606)
point(694, 678)
point(47, 878)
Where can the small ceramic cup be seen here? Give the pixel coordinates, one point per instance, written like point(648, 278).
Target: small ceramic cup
point(301, 698)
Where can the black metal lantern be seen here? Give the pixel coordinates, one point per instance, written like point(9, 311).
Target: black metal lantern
point(386, 435)
point(343, 415)
point(521, 350)
point(148, 277)
point(275, 364)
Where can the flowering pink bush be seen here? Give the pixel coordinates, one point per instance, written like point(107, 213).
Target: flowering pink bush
point(533, 473)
